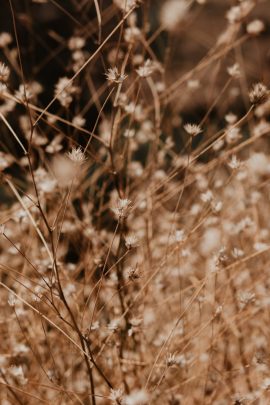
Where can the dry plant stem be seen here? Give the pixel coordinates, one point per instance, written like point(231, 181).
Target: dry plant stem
point(154, 92)
point(10, 388)
point(167, 320)
point(21, 70)
point(85, 64)
point(11, 60)
point(214, 162)
point(120, 283)
point(97, 120)
point(62, 297)
point(65, 204)
point(171, 333)
point(25, 257)
point(103, 273)
point(122, 72)
point(30, 217)
point(73, 319)
point(44, 317)
point(54, 117)
point(35, 355)
point(170, 93)
point(69, 15)
point(115, 125)
point(214, 103)
point(13, 133)
point(180, 196)
point(227, 363)
point(241, 341)
point(97, 285)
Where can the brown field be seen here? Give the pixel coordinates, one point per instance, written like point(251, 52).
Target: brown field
point(135, 200)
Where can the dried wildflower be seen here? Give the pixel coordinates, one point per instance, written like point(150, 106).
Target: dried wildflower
point(21, 348)
point(234, 71)
point(255, 27)
point(210, 241)
point(95, 325)
point(180, 235)
point(17, 372)
point(234, 163)
point(218, 310)
point(64, 91)
point(266, 384)
point(4, 73)
point(129, 133)
point(172, 12)
point(133, 273)
point(192, 129)
point(138, 397)
point(23, 93)
point(160, 86)
point(35, 88)
point(113, 325)
point(218, 144)
point(76, 43)
point(233, 135)
point(78, 121)
point(216, 206)
point(55, 145)
point(234, 14)
point(231, 118)
point(45, 183)
point(5, 39)
point(245, 298)
point(79, 58)
point(77, 156)
point(258, 164)
point(114, 76)
point(239, 12)
point(122, 208)
point(116, 396)
point(193, 84)
point(11, 300)
point(146, 70)
point(258, 93)
point(259, 246)
point(171, 360)
point(131, 241)
point(132, 34)
point(6, 160)
point(207, 196)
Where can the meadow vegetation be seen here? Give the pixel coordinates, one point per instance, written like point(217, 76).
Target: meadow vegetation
point(135, 186)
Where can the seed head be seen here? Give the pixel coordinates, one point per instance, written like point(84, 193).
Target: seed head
point(255, 27)
point(146, 70)
point(64, 91)
point(171, 360)
point(192, 129)
point(131, 241)
point(77, 156)
point(258, 93)
point(122, 208)
point(234, 163)
point(5, 39)
point(234, 71)
point(114, 76)
point(4, 73)
point(116, 396)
